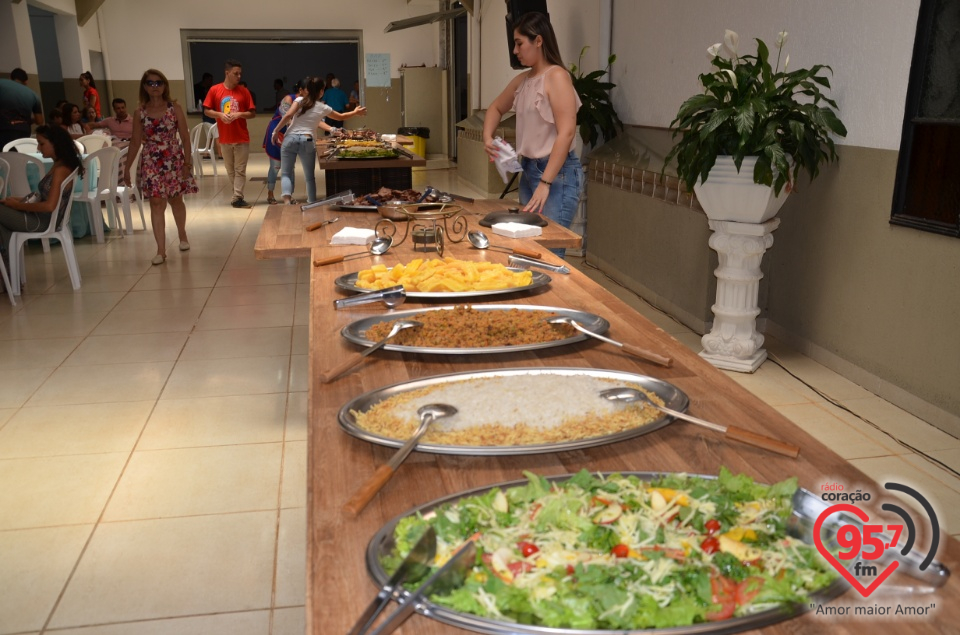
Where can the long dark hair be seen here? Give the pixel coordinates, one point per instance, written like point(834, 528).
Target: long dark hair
point(66, 111)
point(532, 24)
point(65, 150)
point(314, 86)
point(87, 75)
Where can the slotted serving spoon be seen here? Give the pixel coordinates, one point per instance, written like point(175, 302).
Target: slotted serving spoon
point(352, 361)
point(636, 351)
point(428, 414)
point(744, 436)
point(376, 248)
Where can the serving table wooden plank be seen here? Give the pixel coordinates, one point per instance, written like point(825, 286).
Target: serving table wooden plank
point(283, 232)
point(338, 586)
point(365, 176)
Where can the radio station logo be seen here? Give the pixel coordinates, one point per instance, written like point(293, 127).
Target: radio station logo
point(866, 543)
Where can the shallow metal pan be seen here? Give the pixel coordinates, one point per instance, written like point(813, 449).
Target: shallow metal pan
point(673, 398)
point(348, 282)
point(356, 331)
point(382, 541)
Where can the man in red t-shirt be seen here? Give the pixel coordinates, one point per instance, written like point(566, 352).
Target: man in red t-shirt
point(231, 105)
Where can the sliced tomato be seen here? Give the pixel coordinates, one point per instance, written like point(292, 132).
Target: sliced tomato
point(571, 569)
point(723, 594)
point(748, 589)
point(621, 550)
point(527, 548)
point(710, 545)
point(725, 612)
point(712, 526)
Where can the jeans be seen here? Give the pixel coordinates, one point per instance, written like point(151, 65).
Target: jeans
point(564, 197)
point(235, 157)
point(301, 145)
point(272, 174)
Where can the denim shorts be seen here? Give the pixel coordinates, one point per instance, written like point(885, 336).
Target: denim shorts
point(564, 198)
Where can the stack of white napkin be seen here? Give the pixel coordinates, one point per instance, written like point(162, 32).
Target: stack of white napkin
point(353, 236)
point(516, 230)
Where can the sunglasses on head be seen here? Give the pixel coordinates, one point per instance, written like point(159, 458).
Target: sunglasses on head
point(153, 83)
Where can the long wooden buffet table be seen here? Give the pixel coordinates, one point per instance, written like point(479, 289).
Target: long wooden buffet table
point(283, 234)
point(338, 587)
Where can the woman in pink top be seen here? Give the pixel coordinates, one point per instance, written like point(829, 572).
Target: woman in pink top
point(546, 105)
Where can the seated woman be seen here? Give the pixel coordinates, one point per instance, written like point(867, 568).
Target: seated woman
point(32, 213)
point(72, 121)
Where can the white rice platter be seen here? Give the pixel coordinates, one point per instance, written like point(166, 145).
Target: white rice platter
point(512, 411)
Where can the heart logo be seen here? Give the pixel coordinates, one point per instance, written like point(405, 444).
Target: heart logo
point(817, 540)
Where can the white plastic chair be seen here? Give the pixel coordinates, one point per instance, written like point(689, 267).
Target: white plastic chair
point(80, 147)
point(209, 149)
point(196, 134)
point(27, 144)
point(93, 142)
point(64, 234)
point(92, 194)
point(17, 175)
point(4, 171)
point(125, 193)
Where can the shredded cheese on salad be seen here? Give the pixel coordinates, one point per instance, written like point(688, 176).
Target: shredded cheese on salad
point(618, 552)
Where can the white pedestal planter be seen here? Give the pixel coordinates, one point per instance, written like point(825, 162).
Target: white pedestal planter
point(741, 215)
point(734, 342)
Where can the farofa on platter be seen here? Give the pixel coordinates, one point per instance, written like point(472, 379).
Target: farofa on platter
point(467, 327)
point(497, 411)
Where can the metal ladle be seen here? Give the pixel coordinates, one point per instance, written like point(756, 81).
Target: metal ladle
point(636, 351)
point(745, 436)
point(428, 414)
point(479, 240)
point(376, 248)
point(352, 361)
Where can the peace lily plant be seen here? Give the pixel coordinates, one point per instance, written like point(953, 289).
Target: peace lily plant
point(749, 108)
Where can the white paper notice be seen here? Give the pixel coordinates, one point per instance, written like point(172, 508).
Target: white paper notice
point(378, 69)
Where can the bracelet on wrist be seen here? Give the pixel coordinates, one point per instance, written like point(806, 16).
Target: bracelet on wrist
point(546, 182)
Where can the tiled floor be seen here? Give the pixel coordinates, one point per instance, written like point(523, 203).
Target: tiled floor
point(153, 427)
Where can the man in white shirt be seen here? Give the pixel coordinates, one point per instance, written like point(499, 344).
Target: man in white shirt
point(120, 125)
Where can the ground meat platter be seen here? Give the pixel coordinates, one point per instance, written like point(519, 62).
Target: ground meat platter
point(357, 332)
point(511, 411)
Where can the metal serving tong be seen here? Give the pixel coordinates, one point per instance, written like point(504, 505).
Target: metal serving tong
point(525, 263)
point(447, 578)
point(391, 297)
point(416, 562)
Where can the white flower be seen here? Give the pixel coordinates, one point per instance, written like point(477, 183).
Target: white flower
point(730, 42)
point(714, 51)
point(733, 77)
point(781, 39)
point(786, 63)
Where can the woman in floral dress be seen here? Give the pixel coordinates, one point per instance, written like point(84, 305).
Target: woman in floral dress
point(166, 168)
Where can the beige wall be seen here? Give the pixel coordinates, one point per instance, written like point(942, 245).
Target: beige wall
point(849, 285)
point(655, 248)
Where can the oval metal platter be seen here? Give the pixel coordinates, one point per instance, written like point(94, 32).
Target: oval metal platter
point(348, 282)
point(673, 398)
point(382, 544)
point(356, 331)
